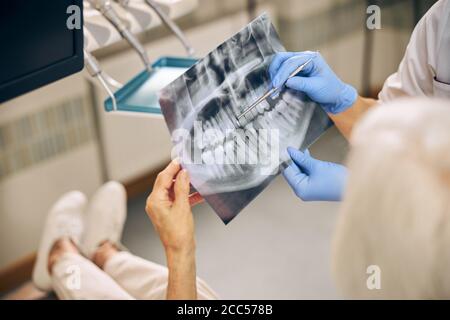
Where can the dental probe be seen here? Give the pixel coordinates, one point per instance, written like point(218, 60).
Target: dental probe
point(271, 91)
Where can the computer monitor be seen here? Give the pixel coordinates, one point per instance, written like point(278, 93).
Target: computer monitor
point(37, 46)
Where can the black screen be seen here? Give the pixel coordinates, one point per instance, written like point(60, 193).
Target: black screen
point(37, 46)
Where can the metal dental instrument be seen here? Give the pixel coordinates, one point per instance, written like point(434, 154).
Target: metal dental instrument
point(167, 21)
point(271, 91)
point(172, 26)
point(106, 9)
point(93, 68)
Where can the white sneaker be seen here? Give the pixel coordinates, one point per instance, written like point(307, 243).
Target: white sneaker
point(65, 219)
point(104, 218)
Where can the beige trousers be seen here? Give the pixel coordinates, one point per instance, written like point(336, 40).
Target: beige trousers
point(125, 277)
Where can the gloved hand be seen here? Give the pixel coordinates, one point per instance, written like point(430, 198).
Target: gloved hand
point(315, 180)
point(316, 80)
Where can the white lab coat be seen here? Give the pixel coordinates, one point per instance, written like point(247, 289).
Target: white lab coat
point(425, 68)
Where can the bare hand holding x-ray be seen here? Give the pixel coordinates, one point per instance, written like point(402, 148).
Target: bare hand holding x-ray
point(229, 161)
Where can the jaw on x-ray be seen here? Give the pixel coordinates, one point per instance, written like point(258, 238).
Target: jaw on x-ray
point(231, 162)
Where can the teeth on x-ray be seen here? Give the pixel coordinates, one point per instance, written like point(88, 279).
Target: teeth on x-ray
point(241, 168)
point(215, 92)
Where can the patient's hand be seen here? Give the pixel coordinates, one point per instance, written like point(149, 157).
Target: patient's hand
point(170, 210)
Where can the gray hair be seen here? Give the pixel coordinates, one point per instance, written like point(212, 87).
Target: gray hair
point(396, 209)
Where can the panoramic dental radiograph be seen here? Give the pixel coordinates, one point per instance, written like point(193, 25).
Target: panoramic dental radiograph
point(229, 161)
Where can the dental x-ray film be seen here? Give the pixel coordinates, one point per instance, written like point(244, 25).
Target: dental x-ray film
point(230, 162)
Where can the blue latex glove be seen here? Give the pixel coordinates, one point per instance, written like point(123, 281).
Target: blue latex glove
point(315, 180)
point(316, 80)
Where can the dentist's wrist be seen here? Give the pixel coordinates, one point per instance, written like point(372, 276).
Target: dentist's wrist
point(346, 99)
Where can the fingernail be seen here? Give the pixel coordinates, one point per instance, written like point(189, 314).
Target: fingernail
point(185, 174)
point(176, 161)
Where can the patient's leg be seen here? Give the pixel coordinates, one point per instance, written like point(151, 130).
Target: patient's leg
point(140, 278)
point(75, 277)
